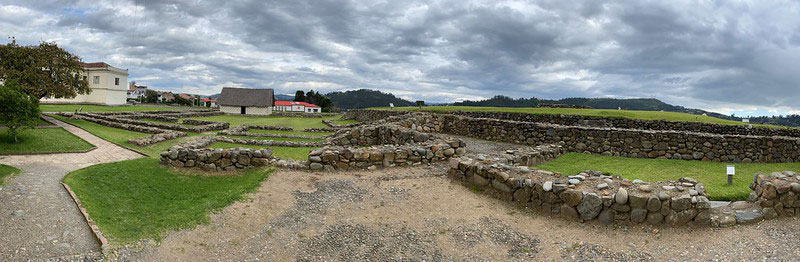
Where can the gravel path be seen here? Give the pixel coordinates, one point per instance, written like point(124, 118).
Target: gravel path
point(410, 214)
point(38, 219)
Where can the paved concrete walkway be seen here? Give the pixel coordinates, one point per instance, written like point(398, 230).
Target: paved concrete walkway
point(38, 219)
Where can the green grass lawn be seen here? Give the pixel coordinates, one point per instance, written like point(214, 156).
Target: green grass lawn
point(712, 174)
point(281, 132)
point(6, 172)
point(121, 136)
point(101, 108)
point(297, 153)
point(42, 140)
point(140, 199)
point(635, 114)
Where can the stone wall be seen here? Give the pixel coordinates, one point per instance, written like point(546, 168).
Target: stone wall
point(589, 196)
point(331, 124)
point(207, 125)
point(564, 106)
point(242, 131)
point(260, 142)
point(195, 154)
point(302, 114)
point(777, 194)
point(382, 156)
point(595, 121)
point(159, 134)
point(613, 141)
point(377, 135)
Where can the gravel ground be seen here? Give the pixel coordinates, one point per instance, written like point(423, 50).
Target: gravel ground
point(39, 220)
point(409, 214)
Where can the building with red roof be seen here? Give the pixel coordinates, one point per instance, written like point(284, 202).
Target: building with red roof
point(292, 106)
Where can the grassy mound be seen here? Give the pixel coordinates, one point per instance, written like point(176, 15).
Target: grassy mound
point(6, 172)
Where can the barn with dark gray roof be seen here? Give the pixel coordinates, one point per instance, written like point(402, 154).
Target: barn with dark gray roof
point(246, 101)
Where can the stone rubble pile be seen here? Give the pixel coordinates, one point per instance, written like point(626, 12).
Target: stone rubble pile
point(260, 142)
point(333, 125)
point(319, 130)
point(195, 154)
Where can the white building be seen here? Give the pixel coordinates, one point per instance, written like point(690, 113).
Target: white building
point(291, 106)
point(246, 101)
point(108, 86)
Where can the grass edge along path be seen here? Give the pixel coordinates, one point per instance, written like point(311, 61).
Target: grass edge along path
point(632, 114)
point(139, 199)
point(45, 140)
point(104, 108)
point(7, 172)
point(712, 174)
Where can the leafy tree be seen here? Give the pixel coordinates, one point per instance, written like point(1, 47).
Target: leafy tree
point(420, 103)
point(42, 71)
point(183, 101)
point(299, 96)
point(150, 96)
point(17, 110)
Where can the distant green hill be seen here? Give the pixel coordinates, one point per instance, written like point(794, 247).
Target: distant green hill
point(364, 98)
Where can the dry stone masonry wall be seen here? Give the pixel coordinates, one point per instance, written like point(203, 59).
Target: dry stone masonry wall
point(195, 154)
point(588, 196)
point(610, 141)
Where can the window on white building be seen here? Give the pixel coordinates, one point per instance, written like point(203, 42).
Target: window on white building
point(96, 80)
point(116, 81)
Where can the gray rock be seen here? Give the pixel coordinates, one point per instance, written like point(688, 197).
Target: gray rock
point(703, 203)
point(547, 186)
point(606, 217)
point(681, 203)
point(574, 181)
point(638, 215)
point(315, 159)
point(703, 217)
point(522, 195)
point(637, 201)
point(500, 186)
point(668, 188)
point(655, 218)
point(602, 186)
point(692, 192)
point(571, 197)
point(621, 207)
point(569, 212)
point(663, 196)
point(748, 217)
point(558, 187)
point(590, 206)
point(795, 187)
point(475, 179)
point(646, 188)
point(622, 196)
point(653, 204)
point(769, 213)
point(315, 166)
point(680, 218)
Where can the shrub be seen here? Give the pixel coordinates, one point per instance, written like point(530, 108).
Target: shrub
point(17, 110)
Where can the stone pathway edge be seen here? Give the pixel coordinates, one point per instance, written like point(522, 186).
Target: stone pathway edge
point(104, 245)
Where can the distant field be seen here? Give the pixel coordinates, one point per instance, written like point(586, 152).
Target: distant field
point(99, 108)
point(712, 174)
point(634, 114)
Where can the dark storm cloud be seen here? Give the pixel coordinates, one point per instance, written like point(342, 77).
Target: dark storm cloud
point(719, 55)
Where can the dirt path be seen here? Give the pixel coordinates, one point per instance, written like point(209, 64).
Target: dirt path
point(409, 214)
point(38, 219)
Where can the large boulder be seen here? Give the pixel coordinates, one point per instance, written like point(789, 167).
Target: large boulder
point(590, 206)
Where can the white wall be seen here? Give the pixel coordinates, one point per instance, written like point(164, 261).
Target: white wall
point(106, 92)
point(263, 111)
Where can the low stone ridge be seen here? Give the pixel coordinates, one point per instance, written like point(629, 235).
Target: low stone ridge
point(618, 200)
point(382, 156)
point(195, 154)
point(159, 134)
point(319, 130)
point(331, 124)
point(242, 131)
point(609, 141)
point(207, 125)
point(260, 142)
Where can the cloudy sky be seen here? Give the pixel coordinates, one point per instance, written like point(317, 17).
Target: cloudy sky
point(738, 57)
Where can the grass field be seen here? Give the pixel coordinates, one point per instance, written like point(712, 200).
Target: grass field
point(635, 114)
point(278, 138)
point(42, 140)
point(297, 153)
point(139, 199)
point(6, 172)
point(101, 108)
point(121, 136)
point(712, 174)
point(298, 123)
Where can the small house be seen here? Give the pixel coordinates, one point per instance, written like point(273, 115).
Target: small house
point(292, 106)
point(246, 101)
